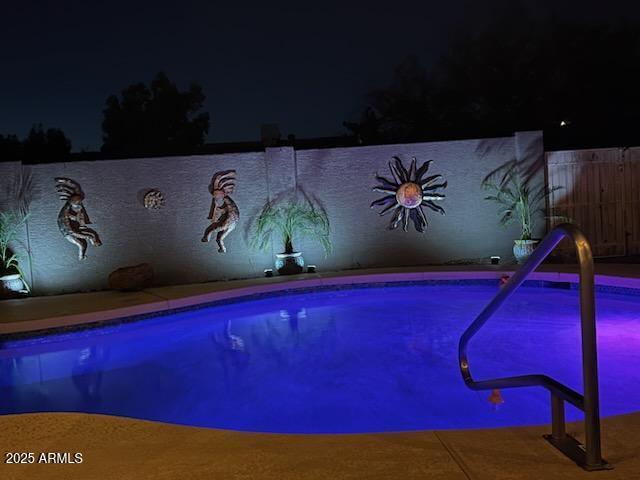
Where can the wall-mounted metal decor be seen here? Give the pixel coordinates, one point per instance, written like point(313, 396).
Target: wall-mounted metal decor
point(407, 193)
point(73, 218)
point(153, 199)
point(224, 213)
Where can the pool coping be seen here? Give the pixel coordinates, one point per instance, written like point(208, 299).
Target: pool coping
point(23, 320)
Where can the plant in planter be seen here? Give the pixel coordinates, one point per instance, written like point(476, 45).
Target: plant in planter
point(291, 219)
point(519, 202)
point(12, 278)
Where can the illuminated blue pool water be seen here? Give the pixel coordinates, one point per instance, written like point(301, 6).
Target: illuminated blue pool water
point(359, 360)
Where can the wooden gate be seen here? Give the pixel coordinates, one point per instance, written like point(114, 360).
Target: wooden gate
point(600, 192)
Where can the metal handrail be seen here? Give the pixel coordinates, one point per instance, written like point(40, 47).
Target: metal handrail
point(588, 456)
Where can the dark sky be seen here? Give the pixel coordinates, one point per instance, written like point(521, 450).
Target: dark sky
point(303, 65)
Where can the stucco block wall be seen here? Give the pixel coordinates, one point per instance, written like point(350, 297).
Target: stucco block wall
point(343, 179)
point(168, 239)
point(340, 179)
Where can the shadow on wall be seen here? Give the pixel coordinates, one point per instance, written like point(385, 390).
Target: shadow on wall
point(530, 162)
point(520, 178)
point(286, 219)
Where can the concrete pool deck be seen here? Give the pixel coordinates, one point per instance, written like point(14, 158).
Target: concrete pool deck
point(122, 448)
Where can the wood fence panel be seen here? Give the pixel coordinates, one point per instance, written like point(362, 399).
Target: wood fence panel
point(631, 173)
point(592, 195)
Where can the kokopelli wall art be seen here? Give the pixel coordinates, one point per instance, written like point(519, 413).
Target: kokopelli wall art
point(224, 213)
point(73, 218)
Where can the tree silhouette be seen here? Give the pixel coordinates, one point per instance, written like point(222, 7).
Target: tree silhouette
point(402, 112)
point(40, 146)
point(155, 119)
point(579, 83)
point(10, 148)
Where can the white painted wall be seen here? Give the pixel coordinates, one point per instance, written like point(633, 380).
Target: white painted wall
point(340, 178)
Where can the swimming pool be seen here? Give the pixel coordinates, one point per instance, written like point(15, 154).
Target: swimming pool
point(331, 361)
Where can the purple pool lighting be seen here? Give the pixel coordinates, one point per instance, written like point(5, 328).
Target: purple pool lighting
point(351, 360)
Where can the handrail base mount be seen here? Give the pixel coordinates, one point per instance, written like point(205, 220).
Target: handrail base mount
point(575, 450)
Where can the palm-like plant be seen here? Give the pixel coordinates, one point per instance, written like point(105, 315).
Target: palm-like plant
point(295, 219)
point(10, 225)
point(519, 201)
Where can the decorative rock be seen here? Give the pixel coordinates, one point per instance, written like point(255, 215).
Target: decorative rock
point(130, 279)
point(154, 199)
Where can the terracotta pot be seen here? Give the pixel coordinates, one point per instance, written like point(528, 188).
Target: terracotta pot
point(289, 263)
point(522, 249)
point(11, 285)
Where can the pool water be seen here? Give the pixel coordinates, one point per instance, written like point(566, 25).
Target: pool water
point(356, 360)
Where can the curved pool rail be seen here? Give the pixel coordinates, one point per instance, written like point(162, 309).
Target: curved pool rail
point(589, 456)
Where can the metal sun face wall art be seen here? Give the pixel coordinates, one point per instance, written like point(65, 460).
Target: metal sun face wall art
point(407, 193)
point(73, 218)
point(224, 213)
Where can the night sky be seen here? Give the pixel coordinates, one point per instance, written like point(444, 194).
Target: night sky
point(303, 67)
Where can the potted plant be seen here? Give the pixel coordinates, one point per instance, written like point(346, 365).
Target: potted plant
point(519, 202)
point(12, 278)
point(291, 219)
